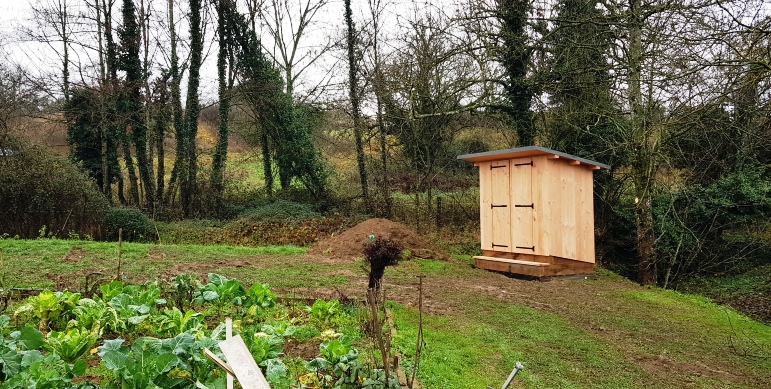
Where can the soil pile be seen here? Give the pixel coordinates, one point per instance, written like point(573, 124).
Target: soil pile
point(350, 244)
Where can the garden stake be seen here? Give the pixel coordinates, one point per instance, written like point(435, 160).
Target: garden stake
point(517, 367)
point(228, 335)
point(120, 250)
point(2, 269)
point(420, 332)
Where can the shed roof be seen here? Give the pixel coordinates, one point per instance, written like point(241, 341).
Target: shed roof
point(528, 151)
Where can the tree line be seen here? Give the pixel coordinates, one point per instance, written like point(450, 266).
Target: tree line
point(673, 94)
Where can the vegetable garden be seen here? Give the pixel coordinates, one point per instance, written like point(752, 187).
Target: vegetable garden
point(153, 336)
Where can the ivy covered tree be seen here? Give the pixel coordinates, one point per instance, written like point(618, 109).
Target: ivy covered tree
point(130, 103)
point(513, 53)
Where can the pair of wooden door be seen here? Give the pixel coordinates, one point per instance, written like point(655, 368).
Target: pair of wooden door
point(512, 208)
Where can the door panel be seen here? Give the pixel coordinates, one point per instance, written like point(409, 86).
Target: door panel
point(522, 205)
point(500, 206)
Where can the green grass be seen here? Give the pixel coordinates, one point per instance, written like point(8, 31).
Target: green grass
point(40, 263)
point(481, 349)
point(748, 291)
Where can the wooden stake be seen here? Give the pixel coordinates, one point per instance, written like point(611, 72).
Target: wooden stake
point(219, 362)
point(120, 251)
point(420, 332)
point(228, 335)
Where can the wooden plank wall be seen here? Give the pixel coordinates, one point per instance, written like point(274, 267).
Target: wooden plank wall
point(542, 223)
point(562, 220)
point(501, 200)
point(485, 200)
point(521, 194)
point(585, 206)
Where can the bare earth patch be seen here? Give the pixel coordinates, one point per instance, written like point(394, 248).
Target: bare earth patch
point(349, 244)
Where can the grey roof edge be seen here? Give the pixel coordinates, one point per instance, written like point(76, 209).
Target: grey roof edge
point(534, 148)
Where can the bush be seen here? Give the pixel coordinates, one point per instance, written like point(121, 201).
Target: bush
point(281, 210)
point(135, 224)
point(46, 195)
point(380, 253)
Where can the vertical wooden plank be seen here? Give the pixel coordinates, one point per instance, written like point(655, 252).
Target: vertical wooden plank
point(554, 189)
point(485, 200)
point(521, 199)
point(229, 334)
point(501, 205)
point(569, 210)
point(542, 226)
point(585, 251)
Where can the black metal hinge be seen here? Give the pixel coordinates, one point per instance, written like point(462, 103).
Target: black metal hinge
point(525, 206)
point(499, 245)
point(495, 167)
point(524, 164)
point(498, 206)
point(529, 248)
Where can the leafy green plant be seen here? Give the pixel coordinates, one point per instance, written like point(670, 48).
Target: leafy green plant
point(49, 307)
point(20, 345)
point(183, 288)
point(220, 290)
point(140, 366)
point(72, 344)
point(259, 298)
point(49, 371)
point(97, 313)
point(340, 361)
point(325, 312)
point(172, 322)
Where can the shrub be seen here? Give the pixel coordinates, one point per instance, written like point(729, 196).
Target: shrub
point(135, 224)
point(39, 189)
point(282, 210)
point(378, 254)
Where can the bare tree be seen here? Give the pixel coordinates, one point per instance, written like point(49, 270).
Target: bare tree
point(290, 25)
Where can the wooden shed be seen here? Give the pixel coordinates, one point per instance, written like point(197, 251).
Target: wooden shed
point(537, 211)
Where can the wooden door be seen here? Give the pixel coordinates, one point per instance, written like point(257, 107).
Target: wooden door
point(500, 207)
point(523, 208)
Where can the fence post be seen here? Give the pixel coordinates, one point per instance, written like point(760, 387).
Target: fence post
point(438, 212)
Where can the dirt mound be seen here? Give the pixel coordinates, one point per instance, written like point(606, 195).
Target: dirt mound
point(350, 244)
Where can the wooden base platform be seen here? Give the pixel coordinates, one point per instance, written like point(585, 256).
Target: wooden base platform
point(531, 265)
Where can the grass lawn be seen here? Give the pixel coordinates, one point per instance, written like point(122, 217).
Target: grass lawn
point(600, 333)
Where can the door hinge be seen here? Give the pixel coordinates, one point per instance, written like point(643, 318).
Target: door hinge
point(525, 206)
point(499, 245)
point(528, 248)
point(495, 167)
point(524, 164)
point(498, 206)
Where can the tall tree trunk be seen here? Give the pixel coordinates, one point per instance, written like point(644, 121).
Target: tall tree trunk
point(192, 108)
point(379, 88)
point(354, 96)
point(221, 150)
point(266, 163)
point(145, 30)
point(129, 160)
point(63, 16)
point(180, 130)
point(642, 149)
point(132, 108)
point(515, 57)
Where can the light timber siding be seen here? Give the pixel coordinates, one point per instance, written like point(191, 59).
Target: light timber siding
point(537, 204)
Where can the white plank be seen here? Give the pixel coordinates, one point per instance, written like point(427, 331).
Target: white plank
point(241, 361)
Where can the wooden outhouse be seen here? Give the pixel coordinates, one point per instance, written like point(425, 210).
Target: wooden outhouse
point(536, 210)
